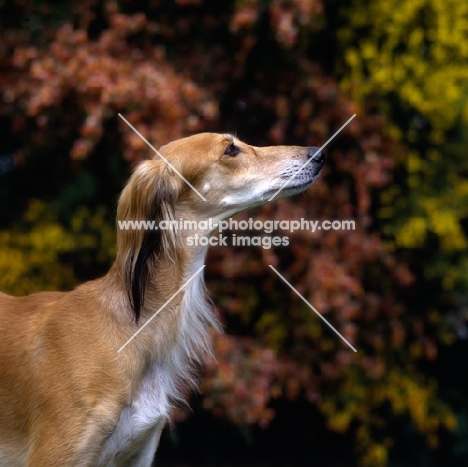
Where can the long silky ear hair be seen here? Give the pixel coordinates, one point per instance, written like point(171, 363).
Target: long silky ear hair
point(150, 195)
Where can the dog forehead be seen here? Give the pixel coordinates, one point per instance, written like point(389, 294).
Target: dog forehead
point(201, 145)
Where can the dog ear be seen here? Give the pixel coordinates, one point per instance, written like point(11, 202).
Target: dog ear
point(149, 198)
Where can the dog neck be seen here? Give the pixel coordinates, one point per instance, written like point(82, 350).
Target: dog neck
point(174, 305)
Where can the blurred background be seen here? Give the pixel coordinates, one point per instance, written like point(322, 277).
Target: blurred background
point(284, 390)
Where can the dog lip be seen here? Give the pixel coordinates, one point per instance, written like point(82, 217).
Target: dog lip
point(299, 182)
point(294, 189)
point(301, 186)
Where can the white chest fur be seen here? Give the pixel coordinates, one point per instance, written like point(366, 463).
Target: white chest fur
point(140, 422)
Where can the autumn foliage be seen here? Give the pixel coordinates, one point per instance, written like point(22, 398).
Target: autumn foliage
point(251, 67)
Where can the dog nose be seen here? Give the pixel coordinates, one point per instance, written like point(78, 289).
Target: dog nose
point(316, 154)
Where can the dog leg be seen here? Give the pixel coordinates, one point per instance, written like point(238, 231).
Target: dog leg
point(146, 456)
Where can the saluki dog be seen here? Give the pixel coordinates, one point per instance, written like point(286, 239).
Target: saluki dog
point(68, 396)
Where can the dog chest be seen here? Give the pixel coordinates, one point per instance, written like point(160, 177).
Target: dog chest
point(145, 415)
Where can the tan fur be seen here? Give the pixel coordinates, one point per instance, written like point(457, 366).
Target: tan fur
point(63, 386)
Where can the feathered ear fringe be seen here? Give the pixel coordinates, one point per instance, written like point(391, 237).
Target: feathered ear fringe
point(150, 195)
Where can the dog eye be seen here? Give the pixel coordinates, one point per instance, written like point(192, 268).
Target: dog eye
point(232, 150)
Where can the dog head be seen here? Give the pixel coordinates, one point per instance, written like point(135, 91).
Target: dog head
point(202, 176)
point(233, 176)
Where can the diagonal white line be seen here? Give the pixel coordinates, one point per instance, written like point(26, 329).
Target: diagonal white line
point(162, 157)
point(152, 317)
point(311, 307)
point(311, 159)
